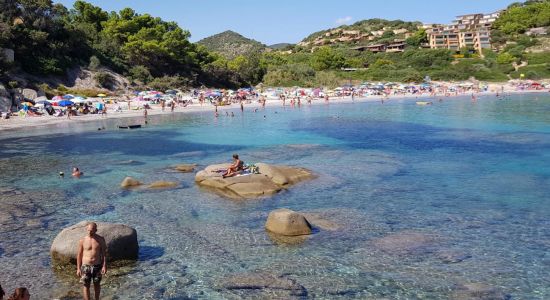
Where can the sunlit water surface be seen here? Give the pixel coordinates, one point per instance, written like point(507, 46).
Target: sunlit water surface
point(463, 188)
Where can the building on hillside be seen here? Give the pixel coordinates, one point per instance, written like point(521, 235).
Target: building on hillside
point(351, 32)
point(377, 48)
point(443, 39)
point(400, 31)
point(397, 46)
point(466, 31)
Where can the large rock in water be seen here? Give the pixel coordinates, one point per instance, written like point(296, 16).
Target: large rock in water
point(287, 222)
point(121, 242)
point(271, 180)
point(129, 182)
point(163, 185)
point(185, 168)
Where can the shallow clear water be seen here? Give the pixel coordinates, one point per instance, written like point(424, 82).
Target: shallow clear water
point(460, 188)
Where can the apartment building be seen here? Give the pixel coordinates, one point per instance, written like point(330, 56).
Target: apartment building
point(471, 31)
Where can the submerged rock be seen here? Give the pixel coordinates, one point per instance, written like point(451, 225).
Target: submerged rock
point(321, 221)
point(452, 257)
point(405, 242)
point(129, 182)
point(269, 181)
point(121, 242)
point(263, 286)
point(480, 291)
point(287, 222)
point(185, 168)
point(163, 185)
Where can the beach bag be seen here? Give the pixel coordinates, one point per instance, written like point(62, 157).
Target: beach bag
point(254, 169)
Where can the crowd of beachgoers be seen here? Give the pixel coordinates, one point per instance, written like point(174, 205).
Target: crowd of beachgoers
point(27, 112)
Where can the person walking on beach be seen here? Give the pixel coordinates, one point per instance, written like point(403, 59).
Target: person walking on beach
point(20, 294)
point(2, 293)
point(91, 261)
point(172, 105)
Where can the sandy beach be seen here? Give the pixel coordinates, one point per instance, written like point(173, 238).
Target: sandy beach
point(16, 123)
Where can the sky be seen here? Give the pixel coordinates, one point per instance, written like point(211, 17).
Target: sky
point(290, 21)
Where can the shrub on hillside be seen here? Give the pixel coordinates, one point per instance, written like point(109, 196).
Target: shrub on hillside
point(169, 82)
point(140, 74)
point(104, 79)
point(94, 64)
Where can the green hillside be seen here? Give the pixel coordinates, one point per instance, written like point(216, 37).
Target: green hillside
point(369, 31)
point(231, 44)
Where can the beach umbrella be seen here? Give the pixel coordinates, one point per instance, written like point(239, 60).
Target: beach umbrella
point(41, 98)
point(172, 92)
point(101, 95)
point(27, 103)
point(57, 98)
point(68, 97)
point(65, 103)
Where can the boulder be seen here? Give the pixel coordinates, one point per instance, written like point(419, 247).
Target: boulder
point(29, 94)
point(185, 168)
point(121, 242)
point(3, 91)
point(163, 185)
point(247, 185)
point(287, 222)
point(129, 182)
point(283, 175)
point(5, 104)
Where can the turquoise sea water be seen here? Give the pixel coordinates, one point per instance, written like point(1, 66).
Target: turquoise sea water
point(427, 202)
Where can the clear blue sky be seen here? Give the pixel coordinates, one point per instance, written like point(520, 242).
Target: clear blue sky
point(289, 21)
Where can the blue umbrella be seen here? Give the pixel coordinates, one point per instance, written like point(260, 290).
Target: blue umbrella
point(68, 96)
point(65, 103)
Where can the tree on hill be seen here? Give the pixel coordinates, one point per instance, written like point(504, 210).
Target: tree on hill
point(231, 44)
point(519, 17)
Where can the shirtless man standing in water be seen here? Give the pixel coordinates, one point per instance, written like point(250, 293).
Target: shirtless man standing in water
point(91, 261)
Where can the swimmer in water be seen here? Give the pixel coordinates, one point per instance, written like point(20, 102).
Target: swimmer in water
point(77, 173)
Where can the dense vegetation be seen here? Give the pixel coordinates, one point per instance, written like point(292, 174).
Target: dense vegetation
point(48, 39)
point(231, 44)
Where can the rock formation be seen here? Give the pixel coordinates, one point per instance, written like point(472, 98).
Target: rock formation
point(287, 222)
point(270, 180)
point(121, 242)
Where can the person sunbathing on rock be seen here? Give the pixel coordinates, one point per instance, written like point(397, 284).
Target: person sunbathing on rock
point(235, 168)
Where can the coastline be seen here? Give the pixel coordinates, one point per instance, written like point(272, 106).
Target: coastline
point(18, 124)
